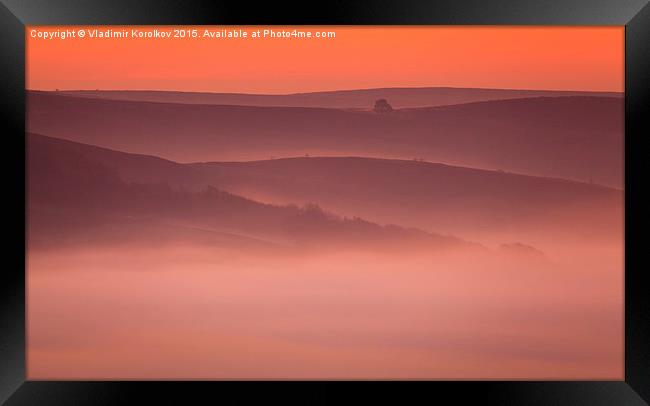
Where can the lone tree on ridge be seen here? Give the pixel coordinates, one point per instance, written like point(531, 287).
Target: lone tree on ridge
point(382, 107)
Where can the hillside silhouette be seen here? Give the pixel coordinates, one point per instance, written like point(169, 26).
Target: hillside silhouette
point(434, 197)
point(339, 99)
point(576, 138)
point(72, 195)
point(427, 195)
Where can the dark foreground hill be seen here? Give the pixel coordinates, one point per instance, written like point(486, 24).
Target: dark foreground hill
point(74, 197)
point(434, 197)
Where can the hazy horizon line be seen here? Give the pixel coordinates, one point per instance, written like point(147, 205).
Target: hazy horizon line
point(323, 91)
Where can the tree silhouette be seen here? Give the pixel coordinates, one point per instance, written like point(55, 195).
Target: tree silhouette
point(382, 106)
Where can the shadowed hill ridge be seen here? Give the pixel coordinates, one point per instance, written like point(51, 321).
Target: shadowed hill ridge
point(400, 97)
point(74, 191)
point(432, 196)
point(578, 138)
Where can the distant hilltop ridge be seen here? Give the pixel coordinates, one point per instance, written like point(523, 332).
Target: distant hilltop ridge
point(398, 97)
point(575, 137)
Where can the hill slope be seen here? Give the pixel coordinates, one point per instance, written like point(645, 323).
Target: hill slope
point(74, 196)
point(577, 138)
point(434, 197)
point(345, 99)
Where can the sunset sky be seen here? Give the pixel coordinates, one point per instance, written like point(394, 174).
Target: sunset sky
point(559, 58)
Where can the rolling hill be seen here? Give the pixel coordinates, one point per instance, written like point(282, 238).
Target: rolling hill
point(340, 99)
point(421, 194)
point(579, 138)
point(434, 197)
point(74, 196)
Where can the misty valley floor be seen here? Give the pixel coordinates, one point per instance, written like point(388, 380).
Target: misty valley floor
point(195, 312)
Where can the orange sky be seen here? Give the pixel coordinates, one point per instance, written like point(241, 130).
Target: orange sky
point(562, 58)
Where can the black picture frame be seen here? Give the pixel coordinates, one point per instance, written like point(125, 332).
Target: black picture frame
point(633, 14)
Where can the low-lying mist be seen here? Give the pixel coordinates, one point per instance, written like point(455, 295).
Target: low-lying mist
point(190, 310)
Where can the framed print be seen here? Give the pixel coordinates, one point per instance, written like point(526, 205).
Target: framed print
point(388, 199)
